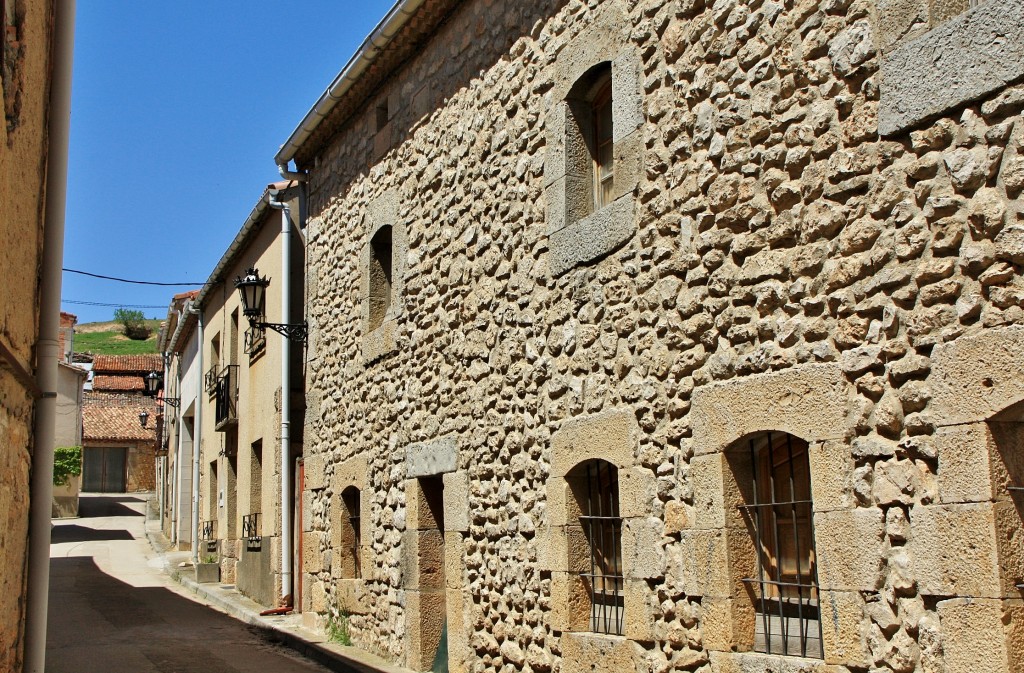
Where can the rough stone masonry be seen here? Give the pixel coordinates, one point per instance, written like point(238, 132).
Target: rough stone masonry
point(820, 234)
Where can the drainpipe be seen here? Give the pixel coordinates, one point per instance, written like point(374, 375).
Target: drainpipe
point(288, 174)
point(286, 454)
point(197, 437)
point(47, 348)
point(178, 443)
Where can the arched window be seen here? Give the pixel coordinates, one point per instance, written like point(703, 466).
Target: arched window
point(777, 507)
point(380, 276)
point(595, 489)
point(350, 537)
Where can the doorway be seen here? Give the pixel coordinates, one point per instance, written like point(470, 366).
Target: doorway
point(104, 469)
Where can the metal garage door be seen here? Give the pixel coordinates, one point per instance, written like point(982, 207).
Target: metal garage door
point(104, 469)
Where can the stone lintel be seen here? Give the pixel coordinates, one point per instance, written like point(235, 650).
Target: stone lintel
point(429, 459)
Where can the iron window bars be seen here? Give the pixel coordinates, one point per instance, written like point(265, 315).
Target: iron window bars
point(603, 527)
point(207, 530)
point(251, 526)
point(786, 585)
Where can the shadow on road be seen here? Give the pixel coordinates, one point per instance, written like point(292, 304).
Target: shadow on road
point(98, 623)
point(105, 505)
point(76, 533)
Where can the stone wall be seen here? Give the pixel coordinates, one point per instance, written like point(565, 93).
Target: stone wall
point(791, 270)
point(24, 82)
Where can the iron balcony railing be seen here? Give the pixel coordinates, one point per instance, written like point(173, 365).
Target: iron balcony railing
point(227, 397)
point(210, 378)
point(251, 526)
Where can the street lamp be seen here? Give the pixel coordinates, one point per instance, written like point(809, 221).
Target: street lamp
point(143, 417)
point(253, 291)
point(152, 383)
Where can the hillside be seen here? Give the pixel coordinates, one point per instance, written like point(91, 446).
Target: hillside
point(105, 338)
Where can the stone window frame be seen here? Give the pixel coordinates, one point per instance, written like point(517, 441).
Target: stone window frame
point(979, 410)
point(576, 233)
point(612, 436)
point(810, 402)
point(351, 592)
point(428, 607)
point(380, 213)
point(965, 59)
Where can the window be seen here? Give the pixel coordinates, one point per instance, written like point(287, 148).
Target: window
point(350, 537)
point(380, 276)
point(777, 508)
point(601, 140)
point(595, 486)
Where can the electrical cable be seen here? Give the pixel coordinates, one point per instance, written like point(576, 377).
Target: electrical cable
point(125, 280)
point(100, 303)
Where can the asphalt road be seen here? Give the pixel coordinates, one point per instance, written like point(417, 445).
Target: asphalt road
point(113, 610)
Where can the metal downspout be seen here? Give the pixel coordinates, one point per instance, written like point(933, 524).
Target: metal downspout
point(48, 350)
point(197, 438)
point(286, 453)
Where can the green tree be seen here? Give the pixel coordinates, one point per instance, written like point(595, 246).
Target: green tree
point(134, 323)
point(67, 463)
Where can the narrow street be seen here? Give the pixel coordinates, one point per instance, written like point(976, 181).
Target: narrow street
point(112, 608)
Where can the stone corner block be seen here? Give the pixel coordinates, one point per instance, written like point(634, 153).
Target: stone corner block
point(315, 472)
point(849, 549)
point(456, 501)
point(953, 550)
point(975, 377)
point(808, 401)
point(642, 553)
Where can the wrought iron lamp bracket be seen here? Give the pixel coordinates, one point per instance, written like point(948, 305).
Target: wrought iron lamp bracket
point(172, 401)
point(292, 331)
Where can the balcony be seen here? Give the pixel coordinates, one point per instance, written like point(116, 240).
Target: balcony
point(226, 394)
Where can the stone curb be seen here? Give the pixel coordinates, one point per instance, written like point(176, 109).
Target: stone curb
point(326, 654)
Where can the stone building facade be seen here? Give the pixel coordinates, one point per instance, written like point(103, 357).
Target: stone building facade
point(751, 403)
point(26, 38)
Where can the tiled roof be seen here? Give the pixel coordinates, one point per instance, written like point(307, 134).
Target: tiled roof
point(118, 423)
point(141, 364)
point(108, 382)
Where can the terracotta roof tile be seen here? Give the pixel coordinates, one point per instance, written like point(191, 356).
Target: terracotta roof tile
point(117, 422)
point(109, 382)
point(112, 364)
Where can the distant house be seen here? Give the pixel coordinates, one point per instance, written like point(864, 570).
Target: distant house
point(119, 453)
point(68, 426)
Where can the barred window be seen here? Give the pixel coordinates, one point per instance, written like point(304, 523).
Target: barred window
point(595, 485)
point(780, 517)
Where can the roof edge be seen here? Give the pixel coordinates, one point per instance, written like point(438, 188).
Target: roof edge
point(374, 43)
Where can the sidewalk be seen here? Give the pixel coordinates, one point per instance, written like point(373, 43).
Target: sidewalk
point(285, 629)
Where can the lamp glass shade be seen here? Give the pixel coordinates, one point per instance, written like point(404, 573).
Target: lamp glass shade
point(143, 417)
point(252, 292)
point(152, 381)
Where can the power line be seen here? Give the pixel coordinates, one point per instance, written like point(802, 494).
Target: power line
point(125, 280)
point(99, 303)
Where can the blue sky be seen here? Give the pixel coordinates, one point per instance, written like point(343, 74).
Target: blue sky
point(177, 111)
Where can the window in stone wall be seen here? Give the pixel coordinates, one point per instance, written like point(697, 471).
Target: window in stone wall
point(777, 507)
point(350, 537)
point(595, 488)
point(601, 139)
point(380, 276)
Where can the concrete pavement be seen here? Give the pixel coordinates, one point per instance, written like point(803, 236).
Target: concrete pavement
point(115, 607)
